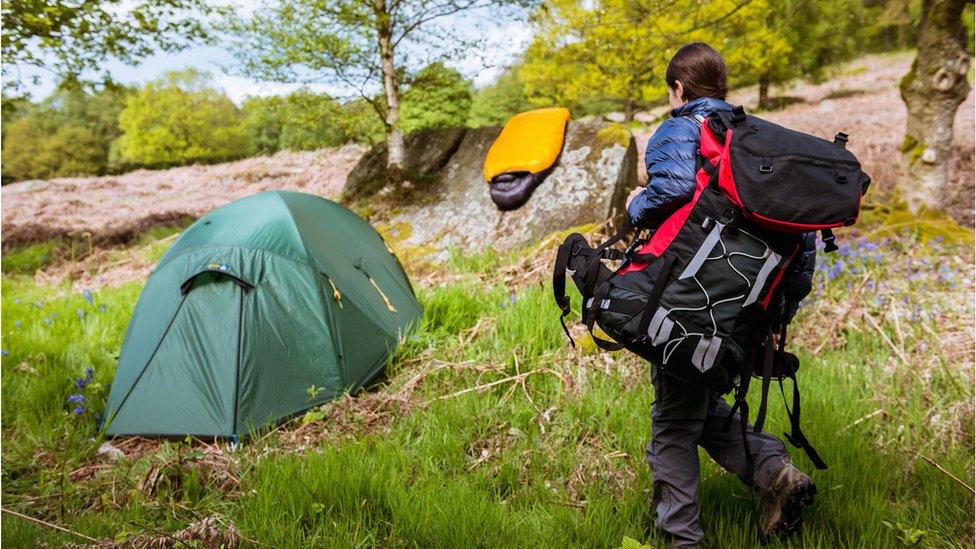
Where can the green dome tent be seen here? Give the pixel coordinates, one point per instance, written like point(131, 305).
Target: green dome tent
point(256, 303)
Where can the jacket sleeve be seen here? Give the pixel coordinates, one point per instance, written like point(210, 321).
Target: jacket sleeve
point(670, 164)
point(800, 276)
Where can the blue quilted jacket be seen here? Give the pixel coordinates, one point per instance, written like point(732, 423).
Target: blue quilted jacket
point(670, 164)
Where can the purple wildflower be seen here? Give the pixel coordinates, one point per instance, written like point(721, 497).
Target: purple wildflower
point(89, 372)
point(81, 383)
point(80, 313)
point(4, 352)
point(87, 295)
point(18, 324)
point(78, 410)
point(102, 308)
point(48, 321)
point(76, 399)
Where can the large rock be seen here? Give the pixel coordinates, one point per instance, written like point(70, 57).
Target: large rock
point(590, 182)
point(425, 154)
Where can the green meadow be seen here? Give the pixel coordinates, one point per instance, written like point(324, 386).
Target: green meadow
point(488, 429)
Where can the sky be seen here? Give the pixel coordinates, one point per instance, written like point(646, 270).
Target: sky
point(509, 42)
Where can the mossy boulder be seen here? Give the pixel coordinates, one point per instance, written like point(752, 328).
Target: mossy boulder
point(425, 154)
point(596, 170)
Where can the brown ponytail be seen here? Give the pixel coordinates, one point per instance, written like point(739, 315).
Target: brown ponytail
point(701, 71)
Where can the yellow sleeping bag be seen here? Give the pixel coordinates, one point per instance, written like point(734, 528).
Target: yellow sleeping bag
point(523, 154)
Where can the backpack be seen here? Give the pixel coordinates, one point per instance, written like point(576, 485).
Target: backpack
point(698, 296)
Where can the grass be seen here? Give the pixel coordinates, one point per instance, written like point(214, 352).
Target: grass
point(552, 457)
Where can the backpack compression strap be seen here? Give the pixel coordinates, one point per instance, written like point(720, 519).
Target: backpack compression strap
point(559, 284)
point(591, 302)
point(779, 364)
point(796, 436)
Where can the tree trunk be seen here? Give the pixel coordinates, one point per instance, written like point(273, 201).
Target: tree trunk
point(394, 139)
point(932, 90)
point(763, 92)
point(629, 110)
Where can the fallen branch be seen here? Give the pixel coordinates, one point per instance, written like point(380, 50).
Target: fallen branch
point(516, 378)
point(950, 475)
point(884, 336)
point(861, 419)
point(49, 524)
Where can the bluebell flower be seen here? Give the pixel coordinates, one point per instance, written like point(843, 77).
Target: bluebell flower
point(81, 383)
point(89, 372)
point(78, 410)
point(76, 399)
point(102, 308)
point(87, 295)
point(80, 313)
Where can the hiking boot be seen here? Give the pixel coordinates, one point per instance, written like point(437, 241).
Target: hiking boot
point(783, 503)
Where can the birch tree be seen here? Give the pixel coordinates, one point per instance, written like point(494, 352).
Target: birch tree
point(363, 46)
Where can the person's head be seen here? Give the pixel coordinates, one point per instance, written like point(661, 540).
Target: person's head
point(697, 70)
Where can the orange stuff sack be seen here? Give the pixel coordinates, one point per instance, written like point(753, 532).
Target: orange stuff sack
point(524, 154)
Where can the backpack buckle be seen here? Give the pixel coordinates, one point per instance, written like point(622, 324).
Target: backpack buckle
point(766, 165)
point(612, 254)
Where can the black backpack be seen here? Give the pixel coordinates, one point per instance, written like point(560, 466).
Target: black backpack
point(698, 295)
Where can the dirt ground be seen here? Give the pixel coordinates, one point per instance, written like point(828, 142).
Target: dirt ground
point(114, 208)
point(862, 99)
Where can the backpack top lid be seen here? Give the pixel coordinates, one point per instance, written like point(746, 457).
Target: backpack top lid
point(787, 180)
point(530, 142)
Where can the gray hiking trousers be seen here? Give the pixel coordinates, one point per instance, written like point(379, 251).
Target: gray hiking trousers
point(684, 417)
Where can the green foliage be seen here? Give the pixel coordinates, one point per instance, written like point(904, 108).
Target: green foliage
point(302, 120)
point(494, 104)
point(438, 97)
point(361, 123)
point(771, 41)
point(180, 119)
point(29, 258)
point(599, 50)
point(70, 37)
point(69, 133)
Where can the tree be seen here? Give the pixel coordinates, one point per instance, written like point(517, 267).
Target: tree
point(601, 49)
point(618, 49)
point(34, 151)
point(493, 105)
point(302, 120)
point(69, 133)
point(438, 97)
point(360, 122)
point(933, 90)
point(772, 41)
point(180, 119)
point(69, 38)
point(263, 119)
point(359, 45)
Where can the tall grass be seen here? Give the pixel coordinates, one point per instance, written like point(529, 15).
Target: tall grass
point(548, 451)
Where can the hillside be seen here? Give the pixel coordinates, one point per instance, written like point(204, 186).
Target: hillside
point(862, 99)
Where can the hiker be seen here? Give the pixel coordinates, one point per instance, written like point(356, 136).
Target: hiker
point(686, 416)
